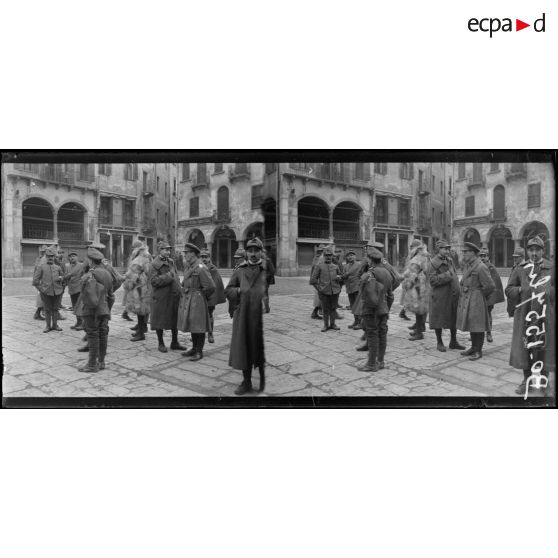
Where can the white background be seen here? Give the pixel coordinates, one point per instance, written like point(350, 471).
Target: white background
point(245, 483)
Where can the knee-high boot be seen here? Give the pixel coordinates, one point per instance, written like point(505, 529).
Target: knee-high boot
point(246, 385)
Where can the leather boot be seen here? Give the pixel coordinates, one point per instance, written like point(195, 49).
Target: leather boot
point(126, 316)
point(453, 343)
point(315, 315)
point(262, 378)
point(332, 322)
point(326, 324)
point(48, 323)
point(103, 342)
point(139, 336)
point(55, 326)
point(246, 385)
point(91, 367)
point(362, 347)
point(403, 315)
point(417, 336)
point(489, 338)
point(37, 315)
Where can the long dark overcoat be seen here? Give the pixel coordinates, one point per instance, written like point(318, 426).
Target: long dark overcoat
point(497, 294)
point(444, 293)
point(519, 290)
point(510, 304)
point(193, 313)
point(475, 287)
point(245, 292)
point(218, 296)
point(166, 293)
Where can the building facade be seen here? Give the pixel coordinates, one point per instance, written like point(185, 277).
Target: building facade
point(72, 205)
point(501, 205)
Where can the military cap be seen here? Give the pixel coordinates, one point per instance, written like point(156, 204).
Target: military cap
point(442, 244)
point(163, 244)
point(137, 244)
point(416, 242)
point(97, 245)
point(535, 241)
point(240, 253)
point(204, 252)
point(518, 253)
point(188, 247)
point(483, 252)
point(377, 245)
point(50, 252)
point(320, 247)
point(328, 250)
point(254, 242)
point(471, 246)
point(72, 253)
point(94, 254)
point(375, 253)
point(350, 251)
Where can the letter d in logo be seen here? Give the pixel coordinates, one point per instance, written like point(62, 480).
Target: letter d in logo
point(540, 21)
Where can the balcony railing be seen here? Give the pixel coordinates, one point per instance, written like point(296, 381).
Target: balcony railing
point(346, 235)
point(498, 218)
point(148, 224)
point(424, 224)
point(38, 231)
point(476, 180)
point(332, 172)
point(306, 230)
point(222, 216)
point(239, 170)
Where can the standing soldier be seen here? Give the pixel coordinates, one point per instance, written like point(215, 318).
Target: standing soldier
point(245, 291)
point(193, 313)
point(532, 291)
point(497, 294)
point(137, 288)
point(395, 277)
point(326, 279)
point(48, 279)
point(351, 278)
point(416, 288)
point(376, 296)
point(96, 316)
point(518, 258)
point(165, 298)
point(72, 276)
point(318, 259)
point(41, 259)
point(218, 295)
point(135, 245)
point(472, 310)
point(444, 295)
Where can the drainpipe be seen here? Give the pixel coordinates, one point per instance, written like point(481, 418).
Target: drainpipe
point(277, 217)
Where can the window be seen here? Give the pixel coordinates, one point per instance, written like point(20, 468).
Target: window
point(380, 168)
point(477, 173)
point(194, 207)
point(359, 171)
point(185, 171)
point(105, 210)
point(241, 168)
point(298, 166)
point(157, 215)
point(257, 196)
point(131, 171)
point(534, 195)
point(105, 168)
point(460, 171)
point(432, 182)
point(144, 180)
point(433, 218)
point(441, 218)
point(218, 167)
point(381, 209)
point(420, 179)
point(404, 213)
point(269, 168)
point(469, 206)
point(157, 184)
point(86, 173)
point(201, 177)
point(406, 170)
point(129, 213)
point(494, 167)
point(223, 203)
point(518, 167)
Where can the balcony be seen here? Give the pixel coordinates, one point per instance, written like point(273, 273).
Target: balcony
point(476, 180)
point(221, 217)
point(516, 170)
point(200, 179)
point(500, 217)
point(346, 235)
point(490, 217)
point(239, 170)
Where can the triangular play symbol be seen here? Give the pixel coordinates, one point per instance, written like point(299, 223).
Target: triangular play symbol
point(519, 25)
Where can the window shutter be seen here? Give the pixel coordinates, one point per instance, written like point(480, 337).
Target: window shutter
point(108, 169)
point(402, 170)
point(366, 170)
point(126, 172)
point(135, 171)
point(411, 171)
point(91, 173)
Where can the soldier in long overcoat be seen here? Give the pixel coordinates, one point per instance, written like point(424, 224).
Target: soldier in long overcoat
point(444, 296)
point(218, 296)
point(497, 294)
point(73, 270)
point(165, 283)
point(351, 278)
point(416, 288)
point(48, 279)
point(472, 311)
point(193, 312)
point(327, 279)
point(316, 304)
point(245, 292)
point(532, 291)
point(518, 258)
point(137, 288)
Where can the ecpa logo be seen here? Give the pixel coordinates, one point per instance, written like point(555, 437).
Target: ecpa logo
point(493, 25)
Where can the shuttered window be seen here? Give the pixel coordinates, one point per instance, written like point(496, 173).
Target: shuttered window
point(469, 206)
point(194, 207)
point(534, 195)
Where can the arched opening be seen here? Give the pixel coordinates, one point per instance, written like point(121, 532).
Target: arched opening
point(536, 228)
point(313, 218)
point(223, 213)
point(197, 238)
point(346, 223)
point(499, 203)
point(255, 230)
point(500, 247)
point(269, 211)
point(71, 226)
point(224, 247)
point(472, 235)
point(37, 220)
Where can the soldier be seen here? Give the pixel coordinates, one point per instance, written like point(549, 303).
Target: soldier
point(135, 245)
point(351, 278)
point(48, 279)
point(72, 277)
point(472, 311)
point(137, 289)
point(326, 279)
point(518, 258)
point(218, 296)
point(375, 309)
point(193, 313)
point(245, 291)
point(41, 259)
point(444, 295)
point(317, 305)
point(96, 317)
point(165, 297)
point(416, 288)
point(497, 294)
point(532, 291)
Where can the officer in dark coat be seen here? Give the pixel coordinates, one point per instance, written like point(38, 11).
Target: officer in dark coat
point(351, 277)
point(218, 296)
point(444, 295)
point(497, 294)
point(165, 283)
point(472, 311)
point(326, 279)
point(532, 291)
point(96, 318)
point(193, 312)
point(245, 292)
point(375, 317)
point(48, 279)
point(73, 270)
point(518, 258)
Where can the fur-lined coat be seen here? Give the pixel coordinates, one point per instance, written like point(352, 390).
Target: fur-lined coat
point(415, 283)
point(136, 283)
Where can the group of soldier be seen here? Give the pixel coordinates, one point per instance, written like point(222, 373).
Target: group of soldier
point(431, 289)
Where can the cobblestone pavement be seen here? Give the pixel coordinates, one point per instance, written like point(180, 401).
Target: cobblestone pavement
point(302, 361)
